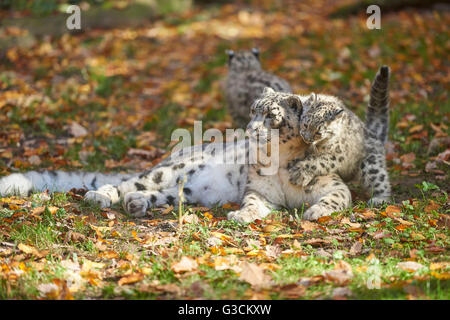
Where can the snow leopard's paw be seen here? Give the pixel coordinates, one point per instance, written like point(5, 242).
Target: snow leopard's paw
point(135, 203)
point(101, 199)
point(316, 211)
point(299, 177)
point(243, 215)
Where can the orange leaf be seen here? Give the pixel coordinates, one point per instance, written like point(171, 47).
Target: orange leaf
point(324, 219)
point(393, 209)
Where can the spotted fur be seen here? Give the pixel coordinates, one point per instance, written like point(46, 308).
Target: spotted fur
point(341, 143)
point(245, 83)
point(205, 179)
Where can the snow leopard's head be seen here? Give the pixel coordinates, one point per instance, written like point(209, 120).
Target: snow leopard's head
point(318, 112)
point(275, 110)
point(243, 60)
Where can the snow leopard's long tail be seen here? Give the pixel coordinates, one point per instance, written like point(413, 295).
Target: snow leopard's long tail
point(377, 116)
point(33, 181)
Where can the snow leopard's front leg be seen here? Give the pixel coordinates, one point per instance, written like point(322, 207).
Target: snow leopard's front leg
point(303, 171)
point(262, 195)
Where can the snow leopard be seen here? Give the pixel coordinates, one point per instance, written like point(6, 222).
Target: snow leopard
point(341, 143)
point(245, 83)
point(206, 179)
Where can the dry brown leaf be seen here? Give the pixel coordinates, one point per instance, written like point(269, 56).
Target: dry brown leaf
point(356, 248)
point(347, 221)
point(255, 275)
point(341, 274)
point(184, 265)
point(272, 252)
point(292, 291)
point(308, 225)
point(75, 237)
point(77, 130)
point(191, 219)
point(431, 206)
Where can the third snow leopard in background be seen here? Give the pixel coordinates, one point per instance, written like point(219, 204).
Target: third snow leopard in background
point(245, 83)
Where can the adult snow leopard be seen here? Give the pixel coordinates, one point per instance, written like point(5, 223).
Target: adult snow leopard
point(341, 143)
point(209, 181)
point(245, 83)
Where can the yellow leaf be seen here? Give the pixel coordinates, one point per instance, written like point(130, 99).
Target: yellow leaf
point(272, 228)
point(417, 236)
point(28, 249)
point(135, 277)
point(439, 265)
point(441, 276)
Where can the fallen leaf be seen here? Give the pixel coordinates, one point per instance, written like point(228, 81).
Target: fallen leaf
point(308, 225)
point(432, 206)
point(408, 158)
point(410, 266)
point(356, 248)
point(28, 249)
point(77, 130)
point(347, 221)
point(272, 252)
point(255, 275)
point(341, 293)
point(135, 277)
point(292, 291)
point(390, 210)
point(184, 265)
point(75, 237)
point(341, 274)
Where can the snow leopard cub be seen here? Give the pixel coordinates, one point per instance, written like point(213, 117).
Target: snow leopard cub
point(245, 83)
point(341, 143)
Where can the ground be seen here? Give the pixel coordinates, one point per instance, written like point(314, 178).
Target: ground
point(108, 100)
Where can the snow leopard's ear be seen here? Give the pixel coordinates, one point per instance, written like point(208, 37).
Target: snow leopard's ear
point(334, 114)
point(294, 102)
point(312, 99)
point(268, 90)
point(255, 52)
point(230, 54)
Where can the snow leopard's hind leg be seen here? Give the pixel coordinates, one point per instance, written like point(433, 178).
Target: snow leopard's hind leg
point(374, 176)
point(327, 194)
point(105, 196)
point(137, 203)
point(156, 178)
